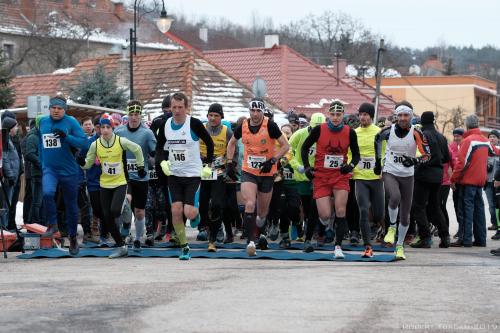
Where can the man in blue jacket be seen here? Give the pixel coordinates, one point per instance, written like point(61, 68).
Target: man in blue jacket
point(61, 136)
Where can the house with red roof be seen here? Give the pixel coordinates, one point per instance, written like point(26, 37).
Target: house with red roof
point(295, 82)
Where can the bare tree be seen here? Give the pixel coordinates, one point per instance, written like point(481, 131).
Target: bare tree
point(454, 117)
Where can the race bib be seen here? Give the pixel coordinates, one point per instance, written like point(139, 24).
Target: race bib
point(287, 174)
point(397, 158)
point(178, 155)
point(112, 169)
point(152, 174)
point(50, 141)
point(366, 163)
point(255, 162)
point(333, 161)
point(131, 165)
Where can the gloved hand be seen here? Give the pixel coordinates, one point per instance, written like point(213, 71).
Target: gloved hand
point(80, 160)
point(300, 169)
point(409, 161)
point(231, 170)
point(346, 168)
point(165, 167)
point(205, 160)
point(12, 182)
point(141, 172)
point(309, 172)
point(59, 134)
point(378, 167)
point(267, 165)
point(206, 172)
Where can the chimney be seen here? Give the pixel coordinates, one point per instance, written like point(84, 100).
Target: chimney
point(123, 70)
point(204, 35)
point(341, 69)
point(119, 10)
point(271, 40)
point(28, 9)
point(67, 6)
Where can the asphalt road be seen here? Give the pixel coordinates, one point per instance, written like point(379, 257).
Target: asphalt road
point(435, 290)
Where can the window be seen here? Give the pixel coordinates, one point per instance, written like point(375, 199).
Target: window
point(8, 51)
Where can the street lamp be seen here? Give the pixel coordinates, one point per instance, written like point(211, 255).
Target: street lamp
point(163, 24)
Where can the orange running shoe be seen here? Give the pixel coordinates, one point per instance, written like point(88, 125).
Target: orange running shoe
point(368, 253)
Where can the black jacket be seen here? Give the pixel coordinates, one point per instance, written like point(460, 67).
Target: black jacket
point(432, 171)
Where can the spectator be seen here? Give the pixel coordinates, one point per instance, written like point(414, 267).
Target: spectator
point(11, 168)
point(489, 189)
point(32, 155)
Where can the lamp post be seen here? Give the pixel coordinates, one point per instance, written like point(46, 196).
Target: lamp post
point(163, 24)
point(337, 56)
point(378, 77)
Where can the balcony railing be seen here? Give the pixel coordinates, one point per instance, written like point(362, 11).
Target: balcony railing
point(492, 122)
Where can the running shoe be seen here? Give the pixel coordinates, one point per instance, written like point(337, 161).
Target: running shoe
point(161, 231)
point(121, 251)
point(285, 243)
point(202, 236)
point(308, 248)
point(368, 253)
point(496, 236)
point(274, 232)
point(391, 235)
point(445, 242)
point(354, 237)
point(73, 246)
point(137, 245)
point(251, 250)
point(293, 232)
point(220, 234)
point(211, 247)
point(400, 252)
point(150, 240)
point(338, 252)
point(185, 253)
point(262, 242)
point(329, 235)
point(194, 222)
point(423, 243)
point(415, 240)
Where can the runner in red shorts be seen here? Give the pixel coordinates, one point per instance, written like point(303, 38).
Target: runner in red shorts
point(332, 170)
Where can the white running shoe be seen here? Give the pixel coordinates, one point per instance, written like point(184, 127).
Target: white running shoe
point(251, 251)
point(338, 252)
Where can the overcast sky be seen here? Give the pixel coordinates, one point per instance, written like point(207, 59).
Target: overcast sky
point(404, 22)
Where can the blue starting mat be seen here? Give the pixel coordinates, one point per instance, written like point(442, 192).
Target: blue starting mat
point(241, 246)
point(220, 254)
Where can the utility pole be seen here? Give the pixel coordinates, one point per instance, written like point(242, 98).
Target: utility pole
point(378, 77)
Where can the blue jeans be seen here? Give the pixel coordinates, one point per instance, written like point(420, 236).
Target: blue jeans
point(69, 187)
point(489, 190)
point(10, 191)
point(474, 218)
point(36, 201)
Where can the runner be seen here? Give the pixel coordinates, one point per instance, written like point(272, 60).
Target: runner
point(403, 140)
point(369, 188)
point(109, 149)
point(61, 134)
point(332, 170)
point(178, 150)
point(303, 184)
point(259, 136)
point(212, 192)
point(138, 186)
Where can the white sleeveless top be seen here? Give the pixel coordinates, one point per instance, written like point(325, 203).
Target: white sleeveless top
point(394, 151)
point(183, 151)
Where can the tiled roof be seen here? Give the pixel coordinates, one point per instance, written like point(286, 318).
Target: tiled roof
point(292, 80)
point(155, 76)
point(29, 85)
point(191, 39)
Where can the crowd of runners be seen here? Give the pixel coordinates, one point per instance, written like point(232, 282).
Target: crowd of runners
point(327, 178)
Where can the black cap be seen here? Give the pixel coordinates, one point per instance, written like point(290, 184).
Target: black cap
point(8, 123)
point(166, 102)
point(427, 118)
point(367, 108)
point(495, 133)
point(458, 131)
point(216, 108)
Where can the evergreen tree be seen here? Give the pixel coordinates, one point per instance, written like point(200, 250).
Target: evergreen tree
point(7, 94)
point(99, 88)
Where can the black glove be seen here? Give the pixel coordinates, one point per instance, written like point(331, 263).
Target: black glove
point(80, 160)
point(409, 161)
point(231, 170)
point(346, 168)
point(309, 172)
point(141, 172)
point(378, 167)
point(12, 182)
point(205, 160)
point(267, 165)
point(59, 134)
